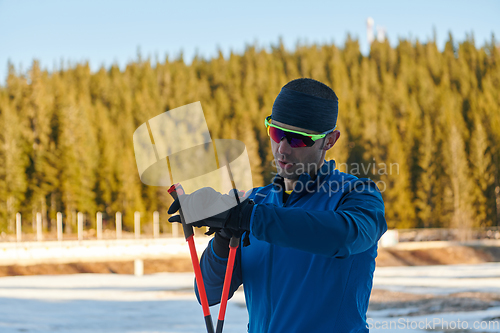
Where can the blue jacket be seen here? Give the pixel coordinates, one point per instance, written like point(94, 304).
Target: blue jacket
point(310, 264)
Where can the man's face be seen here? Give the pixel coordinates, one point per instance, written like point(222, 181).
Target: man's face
point(292, 162)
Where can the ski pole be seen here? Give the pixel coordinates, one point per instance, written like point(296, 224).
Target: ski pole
point(233, 247)
point(174, 191)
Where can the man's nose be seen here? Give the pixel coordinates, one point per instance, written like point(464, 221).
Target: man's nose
point(284, 147)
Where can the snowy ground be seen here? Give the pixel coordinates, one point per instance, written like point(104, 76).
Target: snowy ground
point(165, 302)
point(479, 313)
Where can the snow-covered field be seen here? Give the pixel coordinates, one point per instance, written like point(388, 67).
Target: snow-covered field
point(165, 302)
point(443, 282)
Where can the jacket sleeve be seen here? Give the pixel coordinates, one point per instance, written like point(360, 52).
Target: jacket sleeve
point(353, 227)
point(213, 269)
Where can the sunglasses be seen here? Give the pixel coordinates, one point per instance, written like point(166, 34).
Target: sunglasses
point(295, 139)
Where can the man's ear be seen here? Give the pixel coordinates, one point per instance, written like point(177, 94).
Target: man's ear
point(331, 139)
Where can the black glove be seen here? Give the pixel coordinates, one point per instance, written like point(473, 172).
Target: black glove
point(198, 207)
point(221, 241)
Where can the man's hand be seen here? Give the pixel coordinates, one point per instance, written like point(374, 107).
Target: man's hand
point(207, 207)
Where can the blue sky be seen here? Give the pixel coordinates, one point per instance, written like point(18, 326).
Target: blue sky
point(106, 32)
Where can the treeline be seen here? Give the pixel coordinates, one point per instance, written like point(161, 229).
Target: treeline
point(423, 123)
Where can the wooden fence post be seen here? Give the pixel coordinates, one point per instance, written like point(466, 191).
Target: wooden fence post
point(59, 226)
point(156, 224)
point(118, 222)
point(138, 267)
point(175, 229)
point(39, 234)
point(99, 225)
point(80, 225)
point(137, 224)
point(19, 232)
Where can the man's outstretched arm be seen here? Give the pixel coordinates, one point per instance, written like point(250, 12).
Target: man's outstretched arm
point(353, 227)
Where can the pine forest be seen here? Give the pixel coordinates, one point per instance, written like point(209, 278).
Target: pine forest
point(422, 122)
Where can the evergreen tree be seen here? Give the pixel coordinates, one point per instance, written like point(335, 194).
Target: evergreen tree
point(482, 173)
point(12, 165)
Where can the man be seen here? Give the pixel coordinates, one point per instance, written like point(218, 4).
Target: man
point(313, 232)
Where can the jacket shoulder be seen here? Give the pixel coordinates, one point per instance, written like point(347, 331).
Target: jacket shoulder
point(338, 180)
point(346, 183)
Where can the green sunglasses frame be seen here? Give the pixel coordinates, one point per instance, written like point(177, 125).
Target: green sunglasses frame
point(313, 137)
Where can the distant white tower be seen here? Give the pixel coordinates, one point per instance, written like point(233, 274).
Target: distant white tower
point(369, 30)
point(380, 34)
